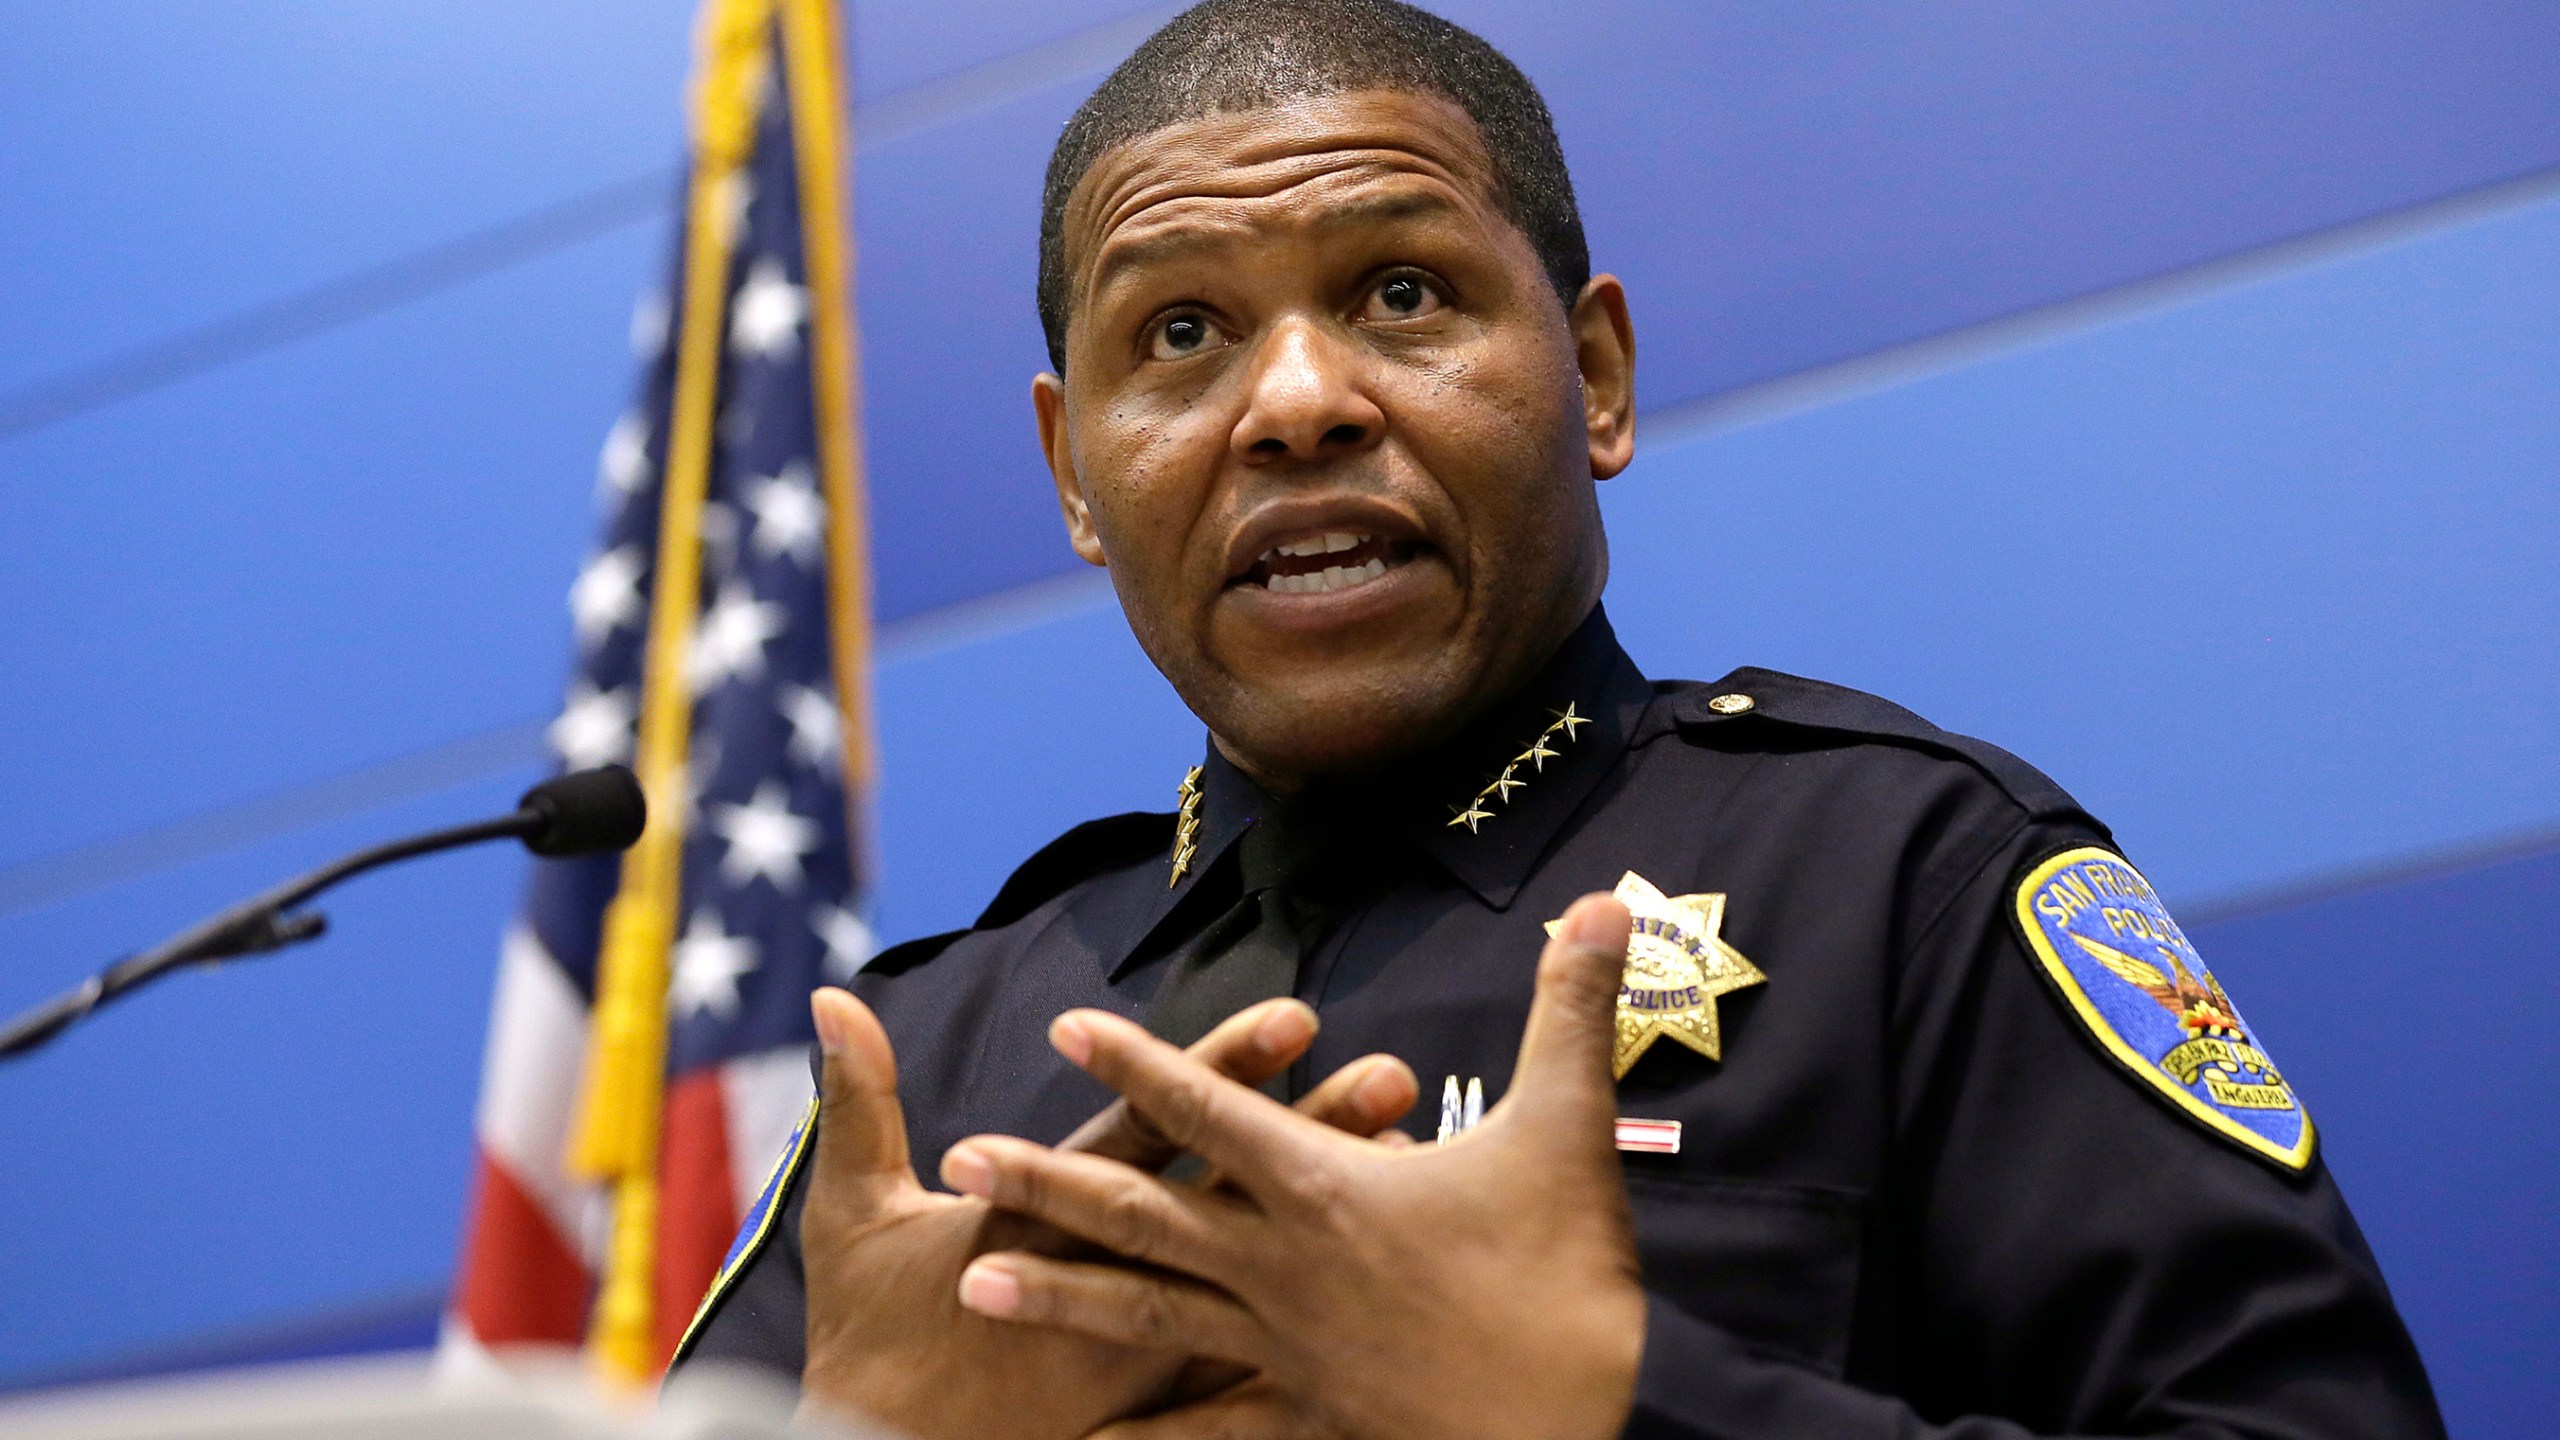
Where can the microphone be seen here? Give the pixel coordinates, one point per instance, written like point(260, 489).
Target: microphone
point(585, 812)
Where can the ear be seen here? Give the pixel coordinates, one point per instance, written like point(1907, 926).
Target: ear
point(1604, 348)
point(1049, 407)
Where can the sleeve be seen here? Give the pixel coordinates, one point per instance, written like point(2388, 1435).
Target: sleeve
point(2058, 1250)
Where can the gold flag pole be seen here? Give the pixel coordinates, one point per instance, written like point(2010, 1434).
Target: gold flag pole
point(812, 51)
point(616, 1139)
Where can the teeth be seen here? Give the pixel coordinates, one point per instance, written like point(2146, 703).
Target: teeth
point(1329, 543)
point(1332, 577)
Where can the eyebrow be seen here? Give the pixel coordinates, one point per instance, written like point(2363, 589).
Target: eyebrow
point(1164, 245)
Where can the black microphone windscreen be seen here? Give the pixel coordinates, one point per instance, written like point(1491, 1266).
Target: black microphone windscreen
point(585, 812)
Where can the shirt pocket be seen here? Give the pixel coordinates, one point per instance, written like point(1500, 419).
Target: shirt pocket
point(1776, 1266)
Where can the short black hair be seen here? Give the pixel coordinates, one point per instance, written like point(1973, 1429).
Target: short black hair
point(1235, 56)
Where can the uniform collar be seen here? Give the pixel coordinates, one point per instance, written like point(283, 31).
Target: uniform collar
point(1582, 709)
point(1483, 806)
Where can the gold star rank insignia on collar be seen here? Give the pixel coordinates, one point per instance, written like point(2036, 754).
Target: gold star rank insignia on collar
point(1677, 964)
point(1498, 790)
point(1186, 826)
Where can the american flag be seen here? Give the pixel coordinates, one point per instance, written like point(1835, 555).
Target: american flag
point(771, 904)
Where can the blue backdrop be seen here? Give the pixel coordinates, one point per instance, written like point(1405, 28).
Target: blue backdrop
point(2162, 390)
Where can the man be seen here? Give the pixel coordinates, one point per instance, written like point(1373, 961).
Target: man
point(1883, 1098)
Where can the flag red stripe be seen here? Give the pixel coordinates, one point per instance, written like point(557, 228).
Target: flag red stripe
point(697, 1214)
point(522, 1284)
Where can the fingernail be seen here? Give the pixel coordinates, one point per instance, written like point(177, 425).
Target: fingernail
point(1375, 1090)
point(830, 1024)
point(1284, 1029)
point(1072, 1039)
point(968, 1172)
point(990, 1287)
point(1589, 924)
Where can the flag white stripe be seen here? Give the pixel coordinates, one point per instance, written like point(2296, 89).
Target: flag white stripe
point(529, 1088)
point(763, 1096)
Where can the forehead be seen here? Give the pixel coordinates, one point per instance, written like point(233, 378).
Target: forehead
point(1361, 156)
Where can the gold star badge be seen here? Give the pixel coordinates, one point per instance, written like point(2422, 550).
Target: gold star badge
point(1677, 964)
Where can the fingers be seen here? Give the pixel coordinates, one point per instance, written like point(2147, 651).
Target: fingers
point(1254, 1410)
point(1106, 1302)
point(1565, 1053)
point(1249, 1048)
point(1125, 1211)
point(1241, 1133)
point(862, 1131)
point(1363, 1097)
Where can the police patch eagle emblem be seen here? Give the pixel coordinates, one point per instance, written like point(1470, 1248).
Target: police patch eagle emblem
point(1677, 964)
point(2130, 974)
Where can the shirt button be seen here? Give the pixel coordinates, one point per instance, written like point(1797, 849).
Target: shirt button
point(1731, 704)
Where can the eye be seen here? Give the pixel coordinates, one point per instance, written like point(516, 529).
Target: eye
point(1401, 296)
point(1184, 333)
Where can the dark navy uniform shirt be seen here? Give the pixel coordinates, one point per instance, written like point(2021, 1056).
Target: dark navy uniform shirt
point(1918, 1194)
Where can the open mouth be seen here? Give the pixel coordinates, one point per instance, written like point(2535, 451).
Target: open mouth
point(1326, 562)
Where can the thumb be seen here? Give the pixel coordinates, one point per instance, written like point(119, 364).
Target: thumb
point(862, 1130)
point(1564, 1076)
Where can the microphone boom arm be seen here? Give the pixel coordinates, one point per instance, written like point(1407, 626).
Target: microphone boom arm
point(560, 817)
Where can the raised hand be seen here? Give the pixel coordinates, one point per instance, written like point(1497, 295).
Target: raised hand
point(882, 1255)
point(1482, 1289)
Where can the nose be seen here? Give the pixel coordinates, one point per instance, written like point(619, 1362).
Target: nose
point(1306, 401)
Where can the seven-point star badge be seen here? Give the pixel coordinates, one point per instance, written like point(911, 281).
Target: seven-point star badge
point(1677, 965)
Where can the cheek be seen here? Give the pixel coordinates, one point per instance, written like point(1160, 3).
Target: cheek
point(1505, 443)
point(1146, 478)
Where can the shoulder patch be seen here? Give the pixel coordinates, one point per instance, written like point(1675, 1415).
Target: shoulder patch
point(1775, 696)
point(1088, 850)
point(757, 1229)
point(2124, 968)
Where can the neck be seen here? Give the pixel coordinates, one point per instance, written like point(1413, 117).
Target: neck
point(1279, 781)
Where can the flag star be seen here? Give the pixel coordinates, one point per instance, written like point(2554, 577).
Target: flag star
point(625, 461)
point(649, 320)
point(765, 318)
point(729, 645)
point(817, 729)
point(709, 964)
point(790, 518)
point(594, 728)
point(607, 595)
point(765, 838)
point(850, 943)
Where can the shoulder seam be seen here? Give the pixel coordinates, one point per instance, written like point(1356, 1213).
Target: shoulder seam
point(1972, 873)
point(1107, 843)
point(2032, 791)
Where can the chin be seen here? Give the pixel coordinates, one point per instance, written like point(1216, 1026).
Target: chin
point(1341, 718)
